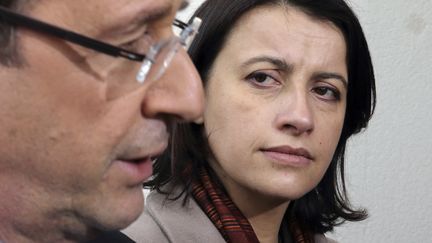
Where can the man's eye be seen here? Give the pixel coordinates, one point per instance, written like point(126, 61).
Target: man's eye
point(140, 44)
point(129, 46)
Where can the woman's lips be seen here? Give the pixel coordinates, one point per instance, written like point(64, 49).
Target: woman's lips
point(286, 155)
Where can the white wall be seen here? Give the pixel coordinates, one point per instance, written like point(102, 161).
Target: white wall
point(389, 167)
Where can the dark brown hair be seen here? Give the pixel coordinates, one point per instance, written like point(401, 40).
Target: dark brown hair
point(9, 55)
point(327, 205)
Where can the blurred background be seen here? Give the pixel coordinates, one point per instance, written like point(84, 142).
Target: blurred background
point(389, 166)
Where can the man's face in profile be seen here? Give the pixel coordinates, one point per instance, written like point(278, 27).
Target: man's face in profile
point(74, 153)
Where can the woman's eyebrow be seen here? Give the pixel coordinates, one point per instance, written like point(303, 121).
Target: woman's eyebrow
point(277, 62)
point(281, 64)
point(330, 75)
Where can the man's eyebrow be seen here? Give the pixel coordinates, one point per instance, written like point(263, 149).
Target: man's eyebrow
point(154, 14)
point(277, 62)
point(150, 15)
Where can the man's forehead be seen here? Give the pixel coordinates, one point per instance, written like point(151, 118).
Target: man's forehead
point(143, 9)
point(119, 8)
point(99, 17)
point(149, 10)
point(116, 13)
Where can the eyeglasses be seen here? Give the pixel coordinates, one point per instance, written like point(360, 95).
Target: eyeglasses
point(153, 64)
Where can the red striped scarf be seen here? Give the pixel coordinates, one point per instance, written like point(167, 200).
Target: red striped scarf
point(228, 219)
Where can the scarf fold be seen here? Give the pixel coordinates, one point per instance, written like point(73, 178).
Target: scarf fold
point(231, 223)
point(227, 218)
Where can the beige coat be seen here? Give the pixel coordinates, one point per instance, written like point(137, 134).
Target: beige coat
point(170, 221)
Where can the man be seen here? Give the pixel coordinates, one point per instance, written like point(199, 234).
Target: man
point(88, 89)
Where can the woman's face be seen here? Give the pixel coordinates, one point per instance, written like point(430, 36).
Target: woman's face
point(276, 103)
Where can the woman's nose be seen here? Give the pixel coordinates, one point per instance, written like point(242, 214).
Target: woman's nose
point(295, 115)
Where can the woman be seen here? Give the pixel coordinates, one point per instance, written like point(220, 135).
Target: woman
point(287, 83)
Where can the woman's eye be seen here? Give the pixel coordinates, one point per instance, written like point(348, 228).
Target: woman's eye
point(261, 79)
point(327, 93)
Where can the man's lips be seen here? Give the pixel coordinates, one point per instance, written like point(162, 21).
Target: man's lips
point(286, 155)
point(137, 170)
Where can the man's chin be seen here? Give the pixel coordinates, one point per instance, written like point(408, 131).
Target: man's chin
point(123, 215)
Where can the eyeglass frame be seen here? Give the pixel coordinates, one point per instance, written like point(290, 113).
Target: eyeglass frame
point(14, 18)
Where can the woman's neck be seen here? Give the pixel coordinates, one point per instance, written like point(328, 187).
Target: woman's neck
point(264, 213)
point(266, 224)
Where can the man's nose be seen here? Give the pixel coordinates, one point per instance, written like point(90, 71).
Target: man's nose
point(178, 93)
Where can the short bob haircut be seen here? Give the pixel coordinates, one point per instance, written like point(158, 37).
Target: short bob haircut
point(327, 205)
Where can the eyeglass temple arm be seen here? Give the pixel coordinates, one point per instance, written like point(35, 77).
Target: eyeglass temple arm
point(85, 41)
point(70, 36)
